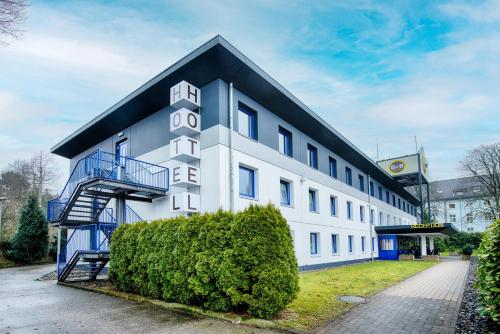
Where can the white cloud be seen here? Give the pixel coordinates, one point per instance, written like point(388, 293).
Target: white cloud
point(485, 12)
point(443, 97)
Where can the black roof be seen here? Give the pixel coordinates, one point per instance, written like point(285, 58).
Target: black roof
point(445, 229)
point(219, 59)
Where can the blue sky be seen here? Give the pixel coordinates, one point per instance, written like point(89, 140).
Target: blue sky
point(379, 72)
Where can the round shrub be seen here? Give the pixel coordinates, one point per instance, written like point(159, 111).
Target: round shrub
point(488, 280)
point(242, 262)
point(467, 249)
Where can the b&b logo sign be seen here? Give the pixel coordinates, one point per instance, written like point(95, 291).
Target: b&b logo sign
point(397, 166)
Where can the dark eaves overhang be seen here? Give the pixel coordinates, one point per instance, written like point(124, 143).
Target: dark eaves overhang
point(219, 59)
point(445, 229)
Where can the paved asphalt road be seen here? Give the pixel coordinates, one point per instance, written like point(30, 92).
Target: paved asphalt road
point(30, 306)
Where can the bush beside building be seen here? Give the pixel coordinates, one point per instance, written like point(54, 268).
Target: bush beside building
point(243, 262)
point(489, 272)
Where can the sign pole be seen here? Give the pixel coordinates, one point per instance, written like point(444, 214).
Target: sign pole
point(420, 189)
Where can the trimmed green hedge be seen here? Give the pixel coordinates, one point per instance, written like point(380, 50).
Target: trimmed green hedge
point(243, 262)
point(488, 272)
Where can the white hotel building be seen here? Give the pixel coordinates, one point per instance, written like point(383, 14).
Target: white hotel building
point(215, 131)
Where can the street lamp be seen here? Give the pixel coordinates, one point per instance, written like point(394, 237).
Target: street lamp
point(2, 199)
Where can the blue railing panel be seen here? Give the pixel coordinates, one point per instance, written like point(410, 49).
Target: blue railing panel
point(94, 237)
point(107, 166)
point(131, 216)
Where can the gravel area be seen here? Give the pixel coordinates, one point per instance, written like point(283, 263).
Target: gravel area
point(52, 276)
point(469, 320)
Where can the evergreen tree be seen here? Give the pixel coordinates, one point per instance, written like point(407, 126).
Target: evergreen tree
point(31, 241)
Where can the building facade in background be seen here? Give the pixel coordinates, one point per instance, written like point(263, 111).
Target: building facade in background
point(459, 202)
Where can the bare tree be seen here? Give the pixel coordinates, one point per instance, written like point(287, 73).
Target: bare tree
point(42, 173)
point(483, 163)
point(12, 15)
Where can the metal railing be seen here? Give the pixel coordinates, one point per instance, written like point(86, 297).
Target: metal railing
point(85, 238)
point(131, 216)
point(107, 166)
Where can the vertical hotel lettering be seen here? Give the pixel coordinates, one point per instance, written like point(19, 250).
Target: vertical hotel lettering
point(185, 149)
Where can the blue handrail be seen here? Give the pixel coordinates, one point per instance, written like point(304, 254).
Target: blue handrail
point(94, 238)
point(107, 166)
point(131, 216)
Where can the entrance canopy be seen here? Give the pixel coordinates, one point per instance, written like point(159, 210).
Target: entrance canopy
point(446, 229)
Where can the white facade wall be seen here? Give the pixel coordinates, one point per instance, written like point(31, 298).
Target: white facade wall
point(270, 166)
point(463, 213)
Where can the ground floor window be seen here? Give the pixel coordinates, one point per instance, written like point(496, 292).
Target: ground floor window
point(314, 240)
point(350, 240)
point(335, 249)
point(386, 244)
point(363, 241)
point(373, 244)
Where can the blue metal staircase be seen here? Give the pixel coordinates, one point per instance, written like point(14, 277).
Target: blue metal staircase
point(99, 177)
point(82, 207)
point(86, 251)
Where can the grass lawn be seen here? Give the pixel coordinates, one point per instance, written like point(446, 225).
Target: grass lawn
point(317, 299)
point(475, 252)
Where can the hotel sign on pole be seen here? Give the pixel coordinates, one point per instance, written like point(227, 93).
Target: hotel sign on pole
point(185, 149)
point(406, 165)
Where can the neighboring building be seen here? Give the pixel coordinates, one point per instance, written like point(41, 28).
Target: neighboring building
point(459, 202)
point(225, 135)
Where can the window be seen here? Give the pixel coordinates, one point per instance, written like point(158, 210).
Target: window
point(380, 218)
point(335, 243)
point(312, 156)
point(314, 240)
point(386, 244)
point(372, 216)
point(399, 203)
point(362, 213)
point(451, 205)
point(333, 167)
point(380, 196)
point(470, 229)
point(285, 198)
point(469, 218)
point(348, 176)
point(247, 122)
point(373, 244)
point(349, 210)
point(363, 241)
point(453, 218)
point(387, 197)
point(247, 182)
point(361, 183)
point(372, 189)
point(285, 141)
point(388, 221)
point(350, 240)
point(333, 205)
point(313, 200)
point(393, 200)
point(394, 220)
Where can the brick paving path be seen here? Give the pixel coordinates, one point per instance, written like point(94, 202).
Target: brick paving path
point(425, 303)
